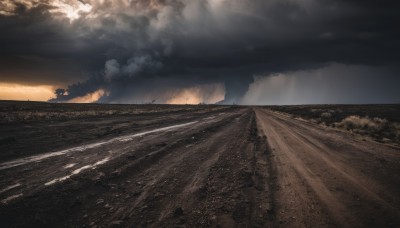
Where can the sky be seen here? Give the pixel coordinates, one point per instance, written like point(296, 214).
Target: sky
point(249, 52)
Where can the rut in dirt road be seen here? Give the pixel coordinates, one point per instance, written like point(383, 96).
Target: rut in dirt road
point(327, 179)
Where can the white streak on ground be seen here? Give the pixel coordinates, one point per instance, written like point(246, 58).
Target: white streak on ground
point(130, 137)
point(8, 199)
point(36, 158)
point(10, 187)
point(77, 171)
point(69, 165)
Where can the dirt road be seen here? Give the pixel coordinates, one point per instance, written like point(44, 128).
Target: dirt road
point(326, 178)
point(234, 167)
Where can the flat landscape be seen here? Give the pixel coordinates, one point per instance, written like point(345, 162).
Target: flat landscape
point(94, 165)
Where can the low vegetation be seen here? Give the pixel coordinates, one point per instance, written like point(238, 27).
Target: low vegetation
point(379, 122)
point(377, 128)
point(17, 112)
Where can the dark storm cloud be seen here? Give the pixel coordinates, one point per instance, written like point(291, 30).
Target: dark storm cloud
point(130, 47)
point(37, 48)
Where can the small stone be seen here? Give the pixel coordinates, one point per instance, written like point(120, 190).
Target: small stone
point(99, 201)
point(159, 195)
point(116, 223)
point(116, 172)
point(144, 208)
point(178, 212)
point(132, 157)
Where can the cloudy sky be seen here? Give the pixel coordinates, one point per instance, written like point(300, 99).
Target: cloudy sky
point(192, 51)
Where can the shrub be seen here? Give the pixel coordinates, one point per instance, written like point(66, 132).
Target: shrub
point(378, 128)
point(326, 115)
point(357, 122)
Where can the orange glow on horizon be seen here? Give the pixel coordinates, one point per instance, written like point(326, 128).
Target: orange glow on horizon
point(14, 91)
point(89, 98)
point(210, 94)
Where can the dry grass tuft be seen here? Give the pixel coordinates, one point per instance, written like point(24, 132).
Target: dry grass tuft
point(378, 128)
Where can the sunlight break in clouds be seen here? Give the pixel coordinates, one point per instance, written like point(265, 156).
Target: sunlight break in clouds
point(209, 94)
point(71, 9)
